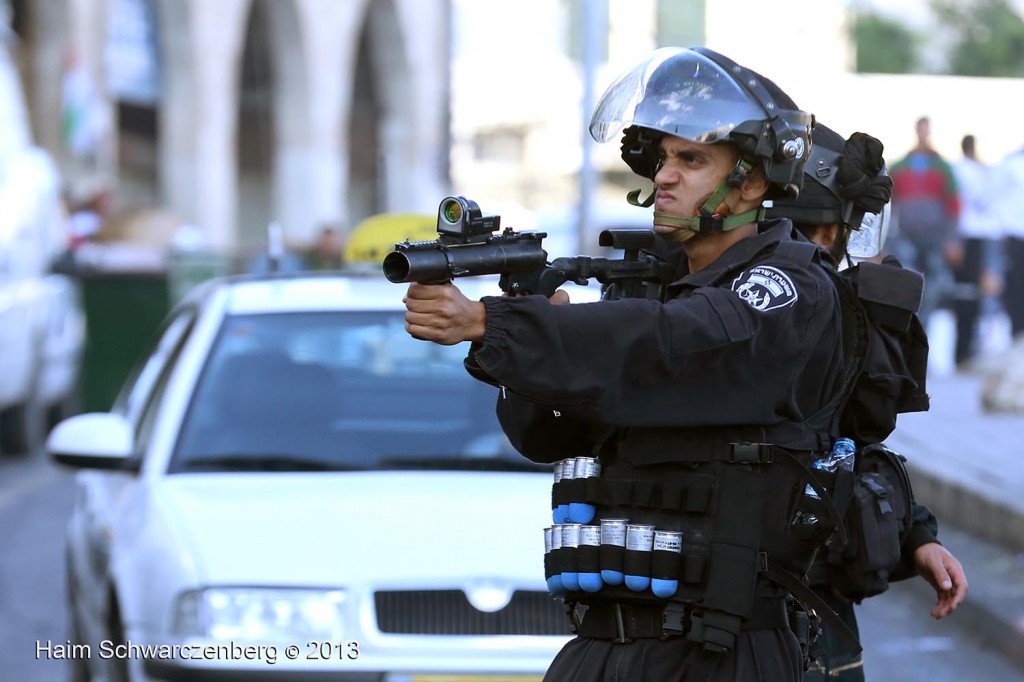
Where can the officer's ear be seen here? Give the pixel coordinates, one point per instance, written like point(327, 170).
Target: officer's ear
point(754, 186)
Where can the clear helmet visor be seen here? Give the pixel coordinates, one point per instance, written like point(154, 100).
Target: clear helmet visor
point(867, 241)
point(675, 91)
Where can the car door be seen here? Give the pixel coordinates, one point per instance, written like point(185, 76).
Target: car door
point(107, 499)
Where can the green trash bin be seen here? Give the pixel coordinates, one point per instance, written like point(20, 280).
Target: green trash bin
point(123, 310)
point(126, 295)
point(127, 291)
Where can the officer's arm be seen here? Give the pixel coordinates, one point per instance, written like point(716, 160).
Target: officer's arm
point(626, 361)
point(542, 433)
point(924, 529)
point(584, 354)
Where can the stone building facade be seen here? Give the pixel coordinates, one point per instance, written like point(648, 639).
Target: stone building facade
point(233, 114)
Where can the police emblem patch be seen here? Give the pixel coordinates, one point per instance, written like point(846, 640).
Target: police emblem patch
point(765, 288)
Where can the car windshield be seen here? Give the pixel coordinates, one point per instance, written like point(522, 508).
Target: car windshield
point(337, 391)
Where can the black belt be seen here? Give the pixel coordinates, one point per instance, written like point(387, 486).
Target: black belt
point(625, 622)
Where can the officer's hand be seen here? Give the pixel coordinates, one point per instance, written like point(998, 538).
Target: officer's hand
point(943, 571)
point(442, 314)
point(639, 151)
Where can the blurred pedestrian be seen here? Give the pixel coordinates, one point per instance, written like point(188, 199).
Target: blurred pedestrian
point(1010, 211)
point(925, 206)
point(977, 274)
point(87, 216)
point(326, 252)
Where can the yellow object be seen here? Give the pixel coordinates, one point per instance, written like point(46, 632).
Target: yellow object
point(376, 236)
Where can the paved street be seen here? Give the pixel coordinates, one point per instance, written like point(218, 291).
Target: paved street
point(902, 642)
point(35, 500)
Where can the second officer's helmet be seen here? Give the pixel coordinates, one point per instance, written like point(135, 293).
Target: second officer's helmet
point(705, 97)
point(846, 184)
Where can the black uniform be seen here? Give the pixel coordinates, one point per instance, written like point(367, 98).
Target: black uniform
point(747, 350)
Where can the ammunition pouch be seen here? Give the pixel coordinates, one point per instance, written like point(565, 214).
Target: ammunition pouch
point(734, 524)
point(878, 519)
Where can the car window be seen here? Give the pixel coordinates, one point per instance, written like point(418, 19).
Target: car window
point(337, 390)
point(154, 400)
point(137, 390)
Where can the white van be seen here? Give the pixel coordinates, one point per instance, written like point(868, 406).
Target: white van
point(42, 326)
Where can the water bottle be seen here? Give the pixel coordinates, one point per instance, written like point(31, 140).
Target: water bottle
point(841, 457)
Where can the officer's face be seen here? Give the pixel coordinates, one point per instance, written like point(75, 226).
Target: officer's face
point(689, 173)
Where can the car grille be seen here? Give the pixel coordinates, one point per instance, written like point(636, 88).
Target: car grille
point(448, 612)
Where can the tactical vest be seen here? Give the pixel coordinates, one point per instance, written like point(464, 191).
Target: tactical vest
point(739, 500)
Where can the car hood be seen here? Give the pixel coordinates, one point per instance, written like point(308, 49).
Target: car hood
point(328, 529)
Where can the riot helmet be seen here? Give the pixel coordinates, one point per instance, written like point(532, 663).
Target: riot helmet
point(705, 97)
point(848, 185)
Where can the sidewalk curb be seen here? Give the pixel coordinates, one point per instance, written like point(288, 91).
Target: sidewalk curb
point(989, 519)
point(986, 611)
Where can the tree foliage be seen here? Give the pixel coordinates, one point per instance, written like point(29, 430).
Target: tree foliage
point(990, 37)
point(884, 45)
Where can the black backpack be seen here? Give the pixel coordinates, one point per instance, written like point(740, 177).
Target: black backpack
point(887, 358)
point(891, 351)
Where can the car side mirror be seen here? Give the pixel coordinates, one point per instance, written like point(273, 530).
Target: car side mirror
point(98, 440)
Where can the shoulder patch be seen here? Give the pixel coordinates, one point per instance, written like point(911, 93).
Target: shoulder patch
point(765, 288)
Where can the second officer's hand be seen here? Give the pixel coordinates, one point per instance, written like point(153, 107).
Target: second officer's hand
point(943, 571)
point(560, 297)
point(442, 314)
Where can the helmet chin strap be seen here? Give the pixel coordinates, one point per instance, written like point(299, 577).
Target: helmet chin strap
point(707, 220)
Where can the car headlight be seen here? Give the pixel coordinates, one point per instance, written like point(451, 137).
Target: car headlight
point(260, 614)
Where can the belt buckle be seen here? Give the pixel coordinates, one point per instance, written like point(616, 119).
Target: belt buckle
point(673, 620)
point(574, 616)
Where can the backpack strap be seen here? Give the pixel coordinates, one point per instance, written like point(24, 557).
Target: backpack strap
point(803, 593)
point(855, 330)
point(799, 254)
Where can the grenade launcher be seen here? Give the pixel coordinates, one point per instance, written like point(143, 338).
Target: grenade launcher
point(467, 245)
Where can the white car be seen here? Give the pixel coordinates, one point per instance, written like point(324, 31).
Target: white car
point(291, 487)
point(42, 322)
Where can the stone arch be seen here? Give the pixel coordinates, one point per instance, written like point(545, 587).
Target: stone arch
point(45, 36)
point(271, 120)
point(133, 37)
point(380, 120)
point(177, 113)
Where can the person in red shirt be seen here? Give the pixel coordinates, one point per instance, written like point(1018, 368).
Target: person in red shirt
point(926, 209)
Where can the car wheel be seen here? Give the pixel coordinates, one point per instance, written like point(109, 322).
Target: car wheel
point(118, 666)
point(22, 429)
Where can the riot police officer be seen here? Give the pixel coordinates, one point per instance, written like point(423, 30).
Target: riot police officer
point(843, 207)
point(706, 407)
